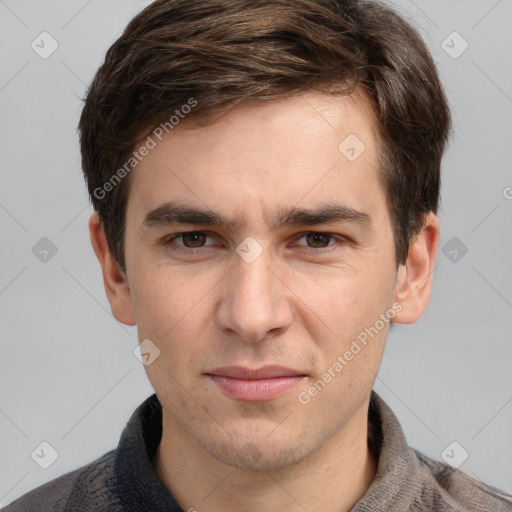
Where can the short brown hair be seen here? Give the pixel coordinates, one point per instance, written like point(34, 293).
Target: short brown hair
point(220, 52)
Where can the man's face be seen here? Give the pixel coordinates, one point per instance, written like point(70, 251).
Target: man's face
point(296, 294)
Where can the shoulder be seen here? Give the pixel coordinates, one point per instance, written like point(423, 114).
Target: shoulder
point(89, 488)
point(453, 490)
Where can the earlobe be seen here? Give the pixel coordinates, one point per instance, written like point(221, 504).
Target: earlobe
point(414, 278)
point(114, 280)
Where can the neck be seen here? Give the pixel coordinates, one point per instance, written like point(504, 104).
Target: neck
point(332, 479)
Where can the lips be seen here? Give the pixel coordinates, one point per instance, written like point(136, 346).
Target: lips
point(255, 385)
point(267, 372)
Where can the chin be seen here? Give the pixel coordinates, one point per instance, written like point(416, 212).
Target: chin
point(259, 454)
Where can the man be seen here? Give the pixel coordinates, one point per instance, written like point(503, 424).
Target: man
point(265, 179)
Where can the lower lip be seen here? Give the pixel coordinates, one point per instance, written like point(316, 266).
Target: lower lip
point(257, 390)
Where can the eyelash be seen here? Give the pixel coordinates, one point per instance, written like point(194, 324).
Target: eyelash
point(188, 250)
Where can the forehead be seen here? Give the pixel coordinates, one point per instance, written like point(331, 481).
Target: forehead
point(267, 154)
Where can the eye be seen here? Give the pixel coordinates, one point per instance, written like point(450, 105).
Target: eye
point(190, 240)
point(317, 240)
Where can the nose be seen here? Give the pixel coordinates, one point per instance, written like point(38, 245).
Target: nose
point(255, 301)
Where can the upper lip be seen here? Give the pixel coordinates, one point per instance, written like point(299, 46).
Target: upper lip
point(266, 372)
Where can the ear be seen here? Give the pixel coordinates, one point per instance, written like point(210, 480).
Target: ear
point(414, 278)
point(114, 280)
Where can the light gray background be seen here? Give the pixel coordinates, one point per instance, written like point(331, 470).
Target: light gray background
point(68, 373)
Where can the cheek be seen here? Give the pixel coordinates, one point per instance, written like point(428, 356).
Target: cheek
point(165, 304)
point(171, 314)
point(343, 300)
point(342, 316)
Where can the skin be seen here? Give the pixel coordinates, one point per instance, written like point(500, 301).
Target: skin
point(300, 304)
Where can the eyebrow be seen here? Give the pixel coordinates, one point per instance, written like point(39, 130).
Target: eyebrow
point(175, 213)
